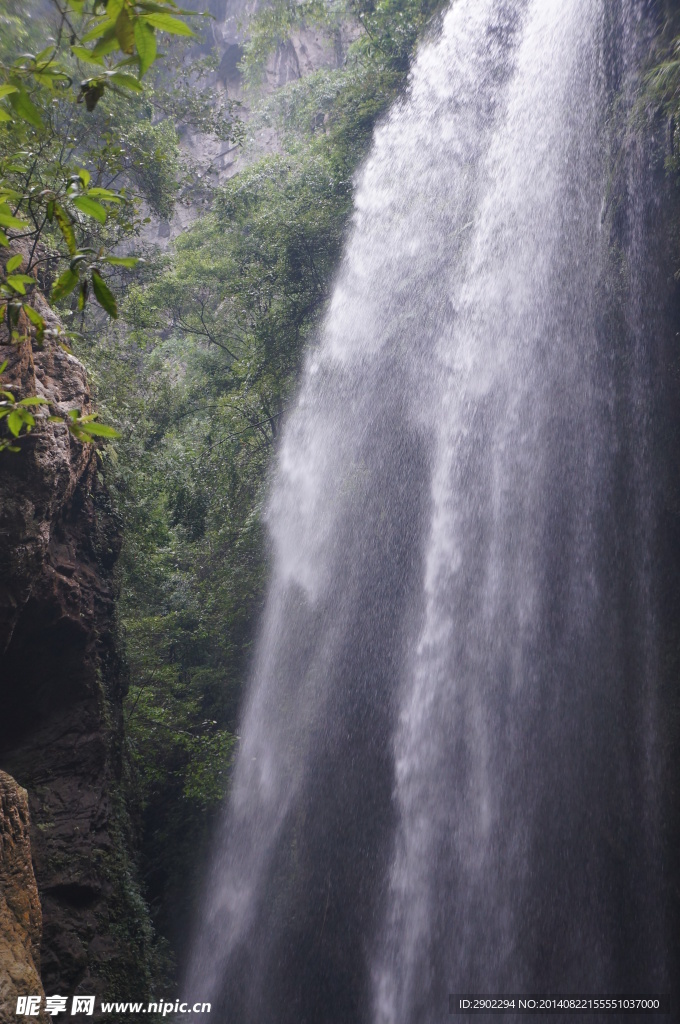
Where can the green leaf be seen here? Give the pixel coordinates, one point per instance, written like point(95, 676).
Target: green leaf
point(150, 5)
point(84, 176)
point(15, 262)
point(100, 430)
point(107, 44)
point(34, 316)
point(64, 285)
point(124, 32)
point(105, 193)
point(16, 282)
point(102, 28)
point(24, 108)
point(114, 7)
point(33, 400)
point(4, 116)
point(4, 240)
point(6, 90)
point(104, 295)
point(166, 23)
point(126, 81)
point(7, 220)
point(122, 261)
point(15, 422)
point(82, 53)
point(90, 208)
point(64, 222)
point(145, 41)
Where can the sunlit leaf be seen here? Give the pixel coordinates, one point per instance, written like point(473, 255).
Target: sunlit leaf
point(107, 24)
point(8, 220)
point(145, 40)
point(18, 282)
point(15, 422)
point(33, 400)
point(101, 430)
point(82, 53)
point(23, 107)
point(126, 81)
point(91, 208)
point(106, 45)
point(166, 23)
point(105, 193)
point(122, 261)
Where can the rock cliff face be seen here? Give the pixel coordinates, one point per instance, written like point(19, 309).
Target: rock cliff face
point(20, 917)
point(61, 688)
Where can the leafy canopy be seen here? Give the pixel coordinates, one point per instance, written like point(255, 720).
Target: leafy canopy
point(75, 138)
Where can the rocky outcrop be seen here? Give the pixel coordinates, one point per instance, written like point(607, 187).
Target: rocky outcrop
point(62, 685)
point(20, 917)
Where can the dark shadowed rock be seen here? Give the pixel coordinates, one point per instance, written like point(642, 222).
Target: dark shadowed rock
point(62, 684)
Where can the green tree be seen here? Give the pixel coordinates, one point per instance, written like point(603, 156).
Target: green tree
point(79, 155)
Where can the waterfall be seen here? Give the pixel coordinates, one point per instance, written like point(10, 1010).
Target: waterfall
point(449, 770)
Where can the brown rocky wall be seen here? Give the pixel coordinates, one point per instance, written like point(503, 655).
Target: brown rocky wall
point(20, 917)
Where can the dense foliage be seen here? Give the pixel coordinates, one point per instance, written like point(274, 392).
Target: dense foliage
point(83, 162)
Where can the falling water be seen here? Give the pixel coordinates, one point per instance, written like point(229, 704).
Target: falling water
point(448, 774)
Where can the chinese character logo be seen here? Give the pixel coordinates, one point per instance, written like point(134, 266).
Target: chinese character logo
point(83, 1004)
point(55, 1005)
point(28, 1006)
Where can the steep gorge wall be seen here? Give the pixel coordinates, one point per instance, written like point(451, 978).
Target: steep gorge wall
point(62, 685)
